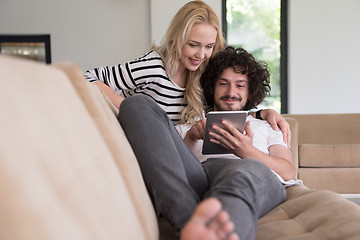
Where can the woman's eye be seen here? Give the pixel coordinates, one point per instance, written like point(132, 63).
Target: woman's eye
point(192, 45)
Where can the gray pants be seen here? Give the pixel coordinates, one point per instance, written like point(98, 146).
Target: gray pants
point(177, 181)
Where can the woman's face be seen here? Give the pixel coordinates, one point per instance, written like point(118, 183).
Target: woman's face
point(199, 47)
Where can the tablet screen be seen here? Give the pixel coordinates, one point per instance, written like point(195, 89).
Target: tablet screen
point(236, 118)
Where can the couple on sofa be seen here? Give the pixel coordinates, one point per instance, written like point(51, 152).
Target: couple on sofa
point(222, 197)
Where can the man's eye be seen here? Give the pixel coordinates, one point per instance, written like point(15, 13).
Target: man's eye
point(240, 86)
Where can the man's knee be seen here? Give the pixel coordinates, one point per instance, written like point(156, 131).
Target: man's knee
point(257, 169)
point(254, 165)
point(247, 170)
point(235, 165)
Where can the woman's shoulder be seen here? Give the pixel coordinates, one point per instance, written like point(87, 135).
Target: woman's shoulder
point(151, 55)
point(151, 58)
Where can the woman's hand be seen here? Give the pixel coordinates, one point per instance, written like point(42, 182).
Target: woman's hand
point(276, 121)
point(195, 133)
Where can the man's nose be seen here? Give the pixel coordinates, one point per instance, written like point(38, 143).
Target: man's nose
point(231, 90)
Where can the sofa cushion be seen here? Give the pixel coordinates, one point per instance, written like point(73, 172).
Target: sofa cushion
point(331, 155)
point(340, 180)
point(58, 178)
point(309, 214)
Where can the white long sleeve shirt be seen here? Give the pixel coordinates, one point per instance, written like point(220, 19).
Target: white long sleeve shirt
point(145, 75)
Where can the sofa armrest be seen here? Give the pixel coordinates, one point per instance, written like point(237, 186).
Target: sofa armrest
point(294, 126)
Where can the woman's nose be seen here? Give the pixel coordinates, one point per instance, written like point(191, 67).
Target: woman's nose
point(200, 53)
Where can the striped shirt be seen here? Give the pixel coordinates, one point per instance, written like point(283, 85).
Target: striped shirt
point(145, 75)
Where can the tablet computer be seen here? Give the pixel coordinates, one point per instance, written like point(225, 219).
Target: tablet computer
point(236, 118)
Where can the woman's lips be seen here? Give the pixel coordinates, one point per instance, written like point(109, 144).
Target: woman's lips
point(195, 62)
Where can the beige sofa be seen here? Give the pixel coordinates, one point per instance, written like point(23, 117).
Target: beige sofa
point(68, 172)
point(329, 151)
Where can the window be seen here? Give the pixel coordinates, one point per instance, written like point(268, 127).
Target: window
point(257, 26)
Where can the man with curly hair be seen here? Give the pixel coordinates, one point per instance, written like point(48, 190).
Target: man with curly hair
point(248, 183)
point(241, 62)
point(235, 81)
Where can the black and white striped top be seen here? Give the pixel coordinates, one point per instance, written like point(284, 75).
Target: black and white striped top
point(145, 75)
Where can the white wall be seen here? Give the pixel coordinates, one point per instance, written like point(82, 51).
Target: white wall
point(324, 56)
point(93, 33)
point(160, 19)
point(324, 37)
point(90, 33)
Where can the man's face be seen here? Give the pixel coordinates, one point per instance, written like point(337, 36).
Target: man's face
point(231, 91)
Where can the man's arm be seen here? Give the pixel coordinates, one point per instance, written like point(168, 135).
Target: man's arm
point(278, 159)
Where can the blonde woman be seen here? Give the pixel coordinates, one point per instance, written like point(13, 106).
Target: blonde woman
point(170, 73)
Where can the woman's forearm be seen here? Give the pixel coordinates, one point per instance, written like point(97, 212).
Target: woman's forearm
point(111, 94)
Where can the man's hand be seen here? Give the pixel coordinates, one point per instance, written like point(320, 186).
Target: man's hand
point(275, 120)
point(230, 138)
point(278, 159)
point(195, 133)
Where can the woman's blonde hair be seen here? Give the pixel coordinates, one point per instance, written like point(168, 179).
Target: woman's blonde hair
point(176, 36)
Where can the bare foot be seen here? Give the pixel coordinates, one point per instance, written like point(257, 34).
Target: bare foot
point(209, 222)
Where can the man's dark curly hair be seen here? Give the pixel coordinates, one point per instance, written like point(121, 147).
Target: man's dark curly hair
point(242, 62)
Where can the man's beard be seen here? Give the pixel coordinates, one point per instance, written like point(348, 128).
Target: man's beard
point(221, 105)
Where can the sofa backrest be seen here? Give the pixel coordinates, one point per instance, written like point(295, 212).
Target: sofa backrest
point(60, 177)
point(329, 151)
point(328, 128)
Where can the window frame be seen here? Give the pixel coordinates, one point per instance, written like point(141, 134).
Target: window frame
point(283, 49)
